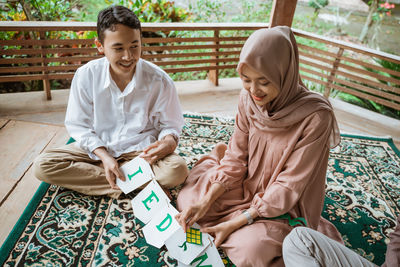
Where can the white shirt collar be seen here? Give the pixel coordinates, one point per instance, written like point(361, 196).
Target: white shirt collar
point(108, 82)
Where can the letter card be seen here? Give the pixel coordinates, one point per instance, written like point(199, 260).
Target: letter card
point(149, 201)
point(185, 247)
point(161, 227)
point(209, 257)
point(137, 172)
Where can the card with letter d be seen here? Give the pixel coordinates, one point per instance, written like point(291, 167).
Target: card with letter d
point(161, 226)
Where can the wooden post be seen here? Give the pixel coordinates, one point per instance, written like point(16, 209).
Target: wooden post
point(333, 72)
point(46, 82)
point(213, 74)
point(282, 13)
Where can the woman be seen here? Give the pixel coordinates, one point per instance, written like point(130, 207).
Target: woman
point(275, 163)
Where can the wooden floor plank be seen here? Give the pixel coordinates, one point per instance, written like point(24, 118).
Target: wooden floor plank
point(20, 143)
point(59, 139)
point(3, 122)
point(16, 203)
point(19, 198)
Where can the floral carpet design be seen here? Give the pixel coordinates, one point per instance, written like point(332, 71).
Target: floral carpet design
point(61, 227)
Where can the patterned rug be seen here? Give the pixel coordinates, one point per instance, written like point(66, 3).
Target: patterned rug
point(64, 228)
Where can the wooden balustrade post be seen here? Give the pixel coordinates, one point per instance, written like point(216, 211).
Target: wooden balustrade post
point(282, 13)
point(43, 55)
point(213, 74)
point(333, 72)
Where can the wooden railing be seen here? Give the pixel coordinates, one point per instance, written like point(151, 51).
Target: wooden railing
point(332, 64)
point(349, 68)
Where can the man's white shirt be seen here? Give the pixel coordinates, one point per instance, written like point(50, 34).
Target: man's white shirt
point(99, 114)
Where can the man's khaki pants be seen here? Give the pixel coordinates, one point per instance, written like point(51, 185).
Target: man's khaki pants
point(72, 168)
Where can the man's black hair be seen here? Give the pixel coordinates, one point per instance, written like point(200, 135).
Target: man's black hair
point(109, 17)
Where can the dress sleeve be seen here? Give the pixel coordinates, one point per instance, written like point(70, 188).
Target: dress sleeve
point(79, 114)
point(309, 156)
point(233, 167)
point(393, 248)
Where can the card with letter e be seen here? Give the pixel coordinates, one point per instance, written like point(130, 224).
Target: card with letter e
point(209, 257)
point(185, 247)
point(137, 172)
point(149, 201)
point(161, 226)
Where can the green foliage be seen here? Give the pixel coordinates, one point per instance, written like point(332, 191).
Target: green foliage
point(311, 43)
point(318, 4)
point(383, 9)
point(52, 10)
point(198, 11)
point(89, 9)
point(154, 10)
point(370, 105)
point(41, 10)
point(207, 11)
point(389, 65)
point(12, 13)
point(252, 11)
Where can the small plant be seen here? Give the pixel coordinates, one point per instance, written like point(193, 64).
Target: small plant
point(317, 5)
point(376, 14)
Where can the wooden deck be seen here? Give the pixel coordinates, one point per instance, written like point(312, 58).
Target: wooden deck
point(20, 143)
point(29, 124)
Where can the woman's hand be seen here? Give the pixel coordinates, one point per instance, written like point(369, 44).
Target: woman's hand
point(195, 212)
point(159, 149)
point(221, 231)
point(110, 165)
point(192, 214)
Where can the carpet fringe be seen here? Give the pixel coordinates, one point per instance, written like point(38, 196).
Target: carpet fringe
point(220, 117)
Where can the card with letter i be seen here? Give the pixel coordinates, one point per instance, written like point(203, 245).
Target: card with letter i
point(137, 172)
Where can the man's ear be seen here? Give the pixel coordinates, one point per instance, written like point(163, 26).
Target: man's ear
point(99, 46)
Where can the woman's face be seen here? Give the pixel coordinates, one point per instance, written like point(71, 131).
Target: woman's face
point(260, 89)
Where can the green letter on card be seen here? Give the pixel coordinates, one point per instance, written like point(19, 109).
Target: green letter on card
point(201, 259)
point(149, 199)
point(138, 171)
point(160, 226)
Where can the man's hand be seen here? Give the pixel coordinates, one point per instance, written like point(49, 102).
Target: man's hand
point(159, 150)
point(111, 167)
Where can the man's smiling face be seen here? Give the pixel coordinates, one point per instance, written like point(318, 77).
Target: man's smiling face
point(122, 47)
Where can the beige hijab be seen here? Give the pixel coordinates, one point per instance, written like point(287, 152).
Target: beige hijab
point(274, 54)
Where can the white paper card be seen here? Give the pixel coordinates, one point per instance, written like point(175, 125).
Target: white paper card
point(184, 251)
point(161, 227)
point(209, 257)
point(137, 172)
point(149, 202)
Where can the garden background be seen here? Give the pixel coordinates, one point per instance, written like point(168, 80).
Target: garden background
point(374, 24)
